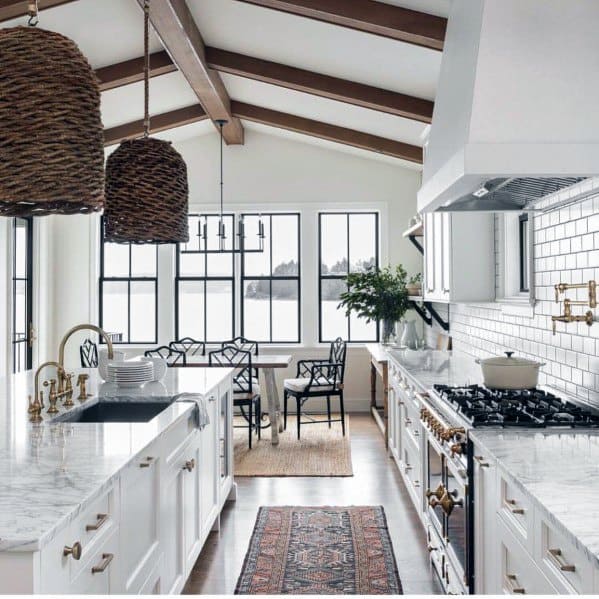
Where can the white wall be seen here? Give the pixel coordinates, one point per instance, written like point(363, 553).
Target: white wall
point(267, 172)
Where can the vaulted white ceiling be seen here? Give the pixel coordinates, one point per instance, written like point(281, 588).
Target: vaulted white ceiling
point(111, 31)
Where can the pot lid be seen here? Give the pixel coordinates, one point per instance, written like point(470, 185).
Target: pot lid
point(509, 360)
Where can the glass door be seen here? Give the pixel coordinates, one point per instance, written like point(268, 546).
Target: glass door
point(22, 296)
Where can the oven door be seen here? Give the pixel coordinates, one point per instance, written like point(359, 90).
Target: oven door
point(456, 517)
point(435, 484)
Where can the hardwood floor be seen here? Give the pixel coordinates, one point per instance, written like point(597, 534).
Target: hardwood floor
point(376, 481)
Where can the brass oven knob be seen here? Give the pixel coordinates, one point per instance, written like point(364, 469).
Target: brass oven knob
point(438, 492)
point(448, 502)
point(456, 449)
point(74, 551)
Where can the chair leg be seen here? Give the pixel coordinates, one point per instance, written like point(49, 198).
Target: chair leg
point(259, 417)
point(250, 412)
point(299, 414)
point(342, 408)
point(329, 409)
point(285, 398)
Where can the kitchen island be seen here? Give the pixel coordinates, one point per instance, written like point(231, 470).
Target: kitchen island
point(112, 507)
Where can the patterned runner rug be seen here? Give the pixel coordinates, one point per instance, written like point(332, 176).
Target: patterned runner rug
point(320, 551)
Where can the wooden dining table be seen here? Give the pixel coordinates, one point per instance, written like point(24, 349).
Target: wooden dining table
point(266, 364)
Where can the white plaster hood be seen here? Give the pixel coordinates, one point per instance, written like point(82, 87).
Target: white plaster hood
point(518, 97)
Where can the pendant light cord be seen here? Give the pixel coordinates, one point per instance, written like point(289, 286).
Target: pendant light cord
point(146, 68)
point(32, 11)
point(221, 124)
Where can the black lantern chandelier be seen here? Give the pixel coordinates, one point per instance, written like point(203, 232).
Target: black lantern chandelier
point(221, 247)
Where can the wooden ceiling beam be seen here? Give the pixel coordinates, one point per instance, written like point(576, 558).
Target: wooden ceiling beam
point(132, 71)
point(12, 9)
point(334, 88)
point(369, 16)
point(174, 25)
point(350, 137)
point(158, 122)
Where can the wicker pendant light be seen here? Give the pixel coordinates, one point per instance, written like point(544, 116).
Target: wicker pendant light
point(51, 136)
point(146, 183)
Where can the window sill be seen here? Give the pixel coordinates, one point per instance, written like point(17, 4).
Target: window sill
point(516, 306)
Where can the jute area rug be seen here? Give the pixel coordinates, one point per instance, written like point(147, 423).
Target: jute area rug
point(321, 451)
point(320, 551)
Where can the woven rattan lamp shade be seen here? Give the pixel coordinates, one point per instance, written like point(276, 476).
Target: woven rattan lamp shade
point(146, 193)
point(51, 137)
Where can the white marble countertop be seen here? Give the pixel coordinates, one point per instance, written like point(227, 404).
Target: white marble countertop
point(557, 469)
point(49, 472)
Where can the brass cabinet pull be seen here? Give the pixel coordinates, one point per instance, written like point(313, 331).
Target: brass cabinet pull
point(106, 559)
point(511, 505)
point(481, 461)
point(407, 421)
point(102, 519)
point(74, 551)
point(189, 465)
point(212, 398)
point(511, 582)
point(147, 463)
point(431, 548)
point(556, 556)
point(408, 467)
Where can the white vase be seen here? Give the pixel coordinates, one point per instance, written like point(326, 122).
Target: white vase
point(409, 337)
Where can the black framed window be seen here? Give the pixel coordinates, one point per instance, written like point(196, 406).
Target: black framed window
point(22, 296)
point(348, 242)
point(128, 291)
point(205, 282)
point(270, 280)
point(524, 252)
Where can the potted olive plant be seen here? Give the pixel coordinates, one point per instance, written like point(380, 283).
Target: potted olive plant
point(377, 294)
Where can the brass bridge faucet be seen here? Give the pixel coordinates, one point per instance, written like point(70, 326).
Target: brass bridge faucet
point(567, 316)
point(65, 381)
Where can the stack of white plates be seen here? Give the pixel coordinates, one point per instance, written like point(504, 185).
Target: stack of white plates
point(130, 374)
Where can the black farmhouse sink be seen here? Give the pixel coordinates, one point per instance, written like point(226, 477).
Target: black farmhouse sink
point(115, 411)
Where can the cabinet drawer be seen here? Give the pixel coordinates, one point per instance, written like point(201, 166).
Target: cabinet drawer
point(566, 566)
point(97, 575)
point(172, 439)
point(516, 511)
point(411, 468)
point(519, 575)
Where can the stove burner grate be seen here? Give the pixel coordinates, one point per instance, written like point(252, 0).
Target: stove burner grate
point(508, 407)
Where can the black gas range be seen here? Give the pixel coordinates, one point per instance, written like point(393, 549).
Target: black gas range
point(507, 407)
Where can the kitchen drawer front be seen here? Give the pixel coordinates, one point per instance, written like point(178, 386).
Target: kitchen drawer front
point(566, 566)
point(518, 573)
point(411, 429)
point(99, 576)
point(92, 526)
point(55, 565)
point(516, 511)
point(173, 438)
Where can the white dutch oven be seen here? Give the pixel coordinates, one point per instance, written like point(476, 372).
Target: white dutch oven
point(510, 373)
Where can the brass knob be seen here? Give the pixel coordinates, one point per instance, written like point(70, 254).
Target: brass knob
point(438, 492)
point(74, 551)
point(431, 548)
point(189, 465)
point(456, 449)
point(448, 502)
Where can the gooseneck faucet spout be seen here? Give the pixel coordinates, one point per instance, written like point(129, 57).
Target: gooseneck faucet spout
point(83, 327)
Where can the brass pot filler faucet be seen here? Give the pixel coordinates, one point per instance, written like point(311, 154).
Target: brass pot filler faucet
point(62, 386)
point(588, 317)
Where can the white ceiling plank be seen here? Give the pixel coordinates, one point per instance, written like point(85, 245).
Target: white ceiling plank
point(316, 46)
point(125, 104)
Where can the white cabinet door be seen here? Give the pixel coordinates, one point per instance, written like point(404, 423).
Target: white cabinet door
point(192, 466)
point(486, 558)
point(445, 283)
point(209, 476)
point(171, 523)
point(140, 489)
point(225, 437)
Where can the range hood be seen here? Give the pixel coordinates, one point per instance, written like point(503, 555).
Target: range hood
point(516, 116)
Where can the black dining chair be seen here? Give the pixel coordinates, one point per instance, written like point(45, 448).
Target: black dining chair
point(171, 356)
point(318, 378)
point(246, 393)
point(243, 343)
point(189, 346)
point(88, 353)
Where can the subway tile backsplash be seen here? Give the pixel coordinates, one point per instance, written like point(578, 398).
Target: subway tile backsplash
point(566, 249)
